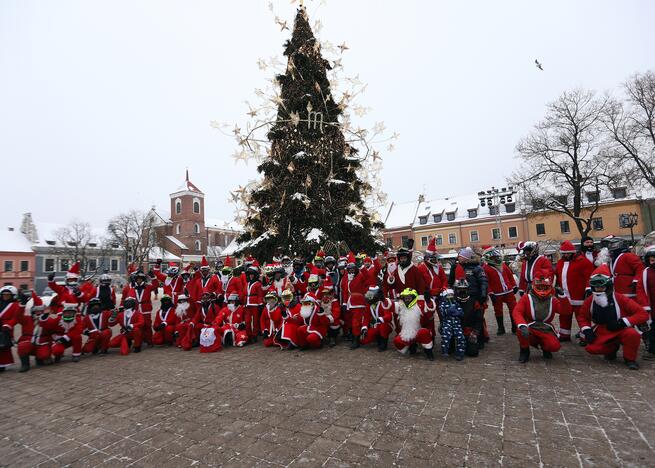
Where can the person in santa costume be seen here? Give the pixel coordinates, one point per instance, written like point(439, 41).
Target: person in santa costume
point(10, 311)
point(299, 278)
point(314, 285)
point(104, 292)
point(165, 322)
point(410, 333)
point(286, 337)
point(331, 307)
point(434, 275)
point(354, 285)
point(315, 323)
point(279, 281)
point(376, 324)
point(254, 302)
point(391, 265)
point(69, 292)
point(66, 329)
point(608, 320)
point(317, 267)
point(573, 271)
point(205, 281)
point(532, 262)
point(502, 287)
point(184, 313)
point(588, 250)
point(33, 341)
point(203, 320)
point(407, 275)
point(232, 322)
point(372, 268)
point(534, 314)
point(626, 268)
point(172, 282)
point(332, 274)
point(271, 318)
point(131, 324)
point(96, 328)
point(646, 289)
point(142, 292)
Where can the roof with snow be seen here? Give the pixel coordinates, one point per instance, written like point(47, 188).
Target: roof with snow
point(188, 187)
point(49, 235)
point(177, 242)
point(222, 224)
point(400, 215)
point(12, 240)
point(157, 252)
point(460, 208)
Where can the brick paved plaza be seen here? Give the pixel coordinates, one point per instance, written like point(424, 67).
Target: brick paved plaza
point(333, 407)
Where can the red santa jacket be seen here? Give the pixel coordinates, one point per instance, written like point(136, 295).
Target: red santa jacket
point(94, 292)
point(271, 319)
point(501, 282)
point(372, 272)
point(57, 328)
point(101, 322)
point(125, 320)
point(541, 263)
point(299, 283)
point(434, 277)
point(352, 292)
point(317, 321)
point(10, 314)
point(173, 286)
point(206, 284)
point(409, 277)
point(627, 309)
point(227, 317)
point(36, 330)
point(143, 296)
point(524, 312)
point(646, 288)
point(205, 315)
point(166, 317)
point(66, 294)
point(573, 277)
point(333, 310)
point(254, 294)
point(380, 312)
point(627, 269)
point(232, 285)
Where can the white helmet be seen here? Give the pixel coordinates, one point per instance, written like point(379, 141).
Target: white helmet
point(10, 289)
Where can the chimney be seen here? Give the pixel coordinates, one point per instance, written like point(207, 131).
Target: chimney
point(11, 229)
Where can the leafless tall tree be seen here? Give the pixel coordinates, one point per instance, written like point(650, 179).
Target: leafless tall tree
point(560, 158)
point(631, 128)
point(134, 232)
point(77, 242)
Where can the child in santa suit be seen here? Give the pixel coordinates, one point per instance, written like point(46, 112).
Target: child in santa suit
point(33, 342)
point(608, 320)
point(66, 329)
point(315, 323)
point(353, 286)
point(411, 333)
point(332, 308)
point(377, 318)
point(131, 325)
point(10, 312)
point(646, 289)
point(165, 322)
point(573, 271)
point(502, 287)
point(232, 322)
point(271, 318)
point(96, 328)
point(142, 292)
point(452, 332)
point(534, 314)
point(184, 313)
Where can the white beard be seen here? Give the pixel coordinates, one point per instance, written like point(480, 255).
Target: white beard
point(392, 267)
point(288, 270)
point(306, 311)
point(601, 299)
point(603, 257)
point(327, 307)
point(410, 321)
point(180, 309)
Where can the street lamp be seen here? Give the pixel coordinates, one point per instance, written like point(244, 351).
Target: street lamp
point(629, 220)
point(494, 198)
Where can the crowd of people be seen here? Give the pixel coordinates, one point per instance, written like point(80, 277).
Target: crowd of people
point(299, 304)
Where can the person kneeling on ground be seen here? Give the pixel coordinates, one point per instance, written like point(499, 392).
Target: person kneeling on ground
point(411, 333)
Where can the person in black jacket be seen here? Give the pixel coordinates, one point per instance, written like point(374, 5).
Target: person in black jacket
point(475, 275)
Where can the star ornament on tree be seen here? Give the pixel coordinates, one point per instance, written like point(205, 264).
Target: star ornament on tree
point(343, 47)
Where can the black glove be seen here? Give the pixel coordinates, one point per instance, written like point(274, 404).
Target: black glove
point(589, 335)
point(241, 326)
point(51, 277)
point(364, 332)
point(151, 273)
point(493, 298)
point(616, 325)
point(525, 331)
point(24, 298)
point(265, 333)
point(86, 332)
point(559, 291)
point(76, 291)
point(61, 340)
point(587, 293)
point(515, 289)
point(521, 293)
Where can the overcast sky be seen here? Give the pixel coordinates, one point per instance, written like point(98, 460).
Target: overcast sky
point(103, 104)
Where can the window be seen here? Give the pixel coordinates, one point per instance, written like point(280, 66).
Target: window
point(196, 228)
point(92, 244)
point(424, 241)
point(564, 227)
point(64, 265)
point(510, 207)
point(452, 238)
point(620, 192)
point(49, 242)
point(178, 206)
point(198, 246)
point(493, 210)
point(450, 216)
point(439, 239)
point(24, 265)
point(389, 242)
point(24, 286)
point(9, 265)
point(541, 229)
point(597, 224)
point(495, 233)
point(92, 264)
point(513, 232)
point(437, 218)
point(114, 264)
point(423, 220)
point(474, 236)
point(196, 206)
point(177, 229)
point(404, 241)
point(49, 265)
point(592, 197)
point(561, 199)
point(473, 213)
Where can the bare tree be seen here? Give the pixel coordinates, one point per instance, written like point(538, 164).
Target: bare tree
point(76, 242)
point(134, 232)
point(631, 128)
point(560, 163)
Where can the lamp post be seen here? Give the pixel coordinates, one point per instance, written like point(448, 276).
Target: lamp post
point(633, 219)
point(494, 198)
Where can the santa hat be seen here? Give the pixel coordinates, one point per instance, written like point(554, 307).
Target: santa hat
point(187, 268)
point(172, 265)
point(131, 268)
point(544, 275)
point(249, 259)
point(204, 263)
point(566, 247)
point(320, 254)
point(460, 273)
point(351, 257)
point(602, 270)
point(309, 297)
point(367, 259)
point(37, 303)
point(328, 284)
point(228, 262)
point(255, 263)
point(432, 246)
point(74, 271)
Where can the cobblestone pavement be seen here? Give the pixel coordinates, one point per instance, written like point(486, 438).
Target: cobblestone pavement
point(332, 407)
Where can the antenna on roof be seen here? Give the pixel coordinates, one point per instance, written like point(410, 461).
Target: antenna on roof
point(187, 174)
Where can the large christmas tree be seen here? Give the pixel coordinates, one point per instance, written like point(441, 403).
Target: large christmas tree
point(311, 192)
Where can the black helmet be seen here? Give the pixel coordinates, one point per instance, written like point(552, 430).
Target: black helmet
point(129, 302)
point(617, 245)
point(94, 301)
point(648, 254)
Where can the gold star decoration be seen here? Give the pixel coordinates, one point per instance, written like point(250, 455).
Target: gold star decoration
point(343, 47)
point(379, 127)
point(261, 63)
point(295, 118)
point(376, 155)
point(237, 130)
point(291, 167)
point(281, 24)
point(390, 147)
point(337, 63)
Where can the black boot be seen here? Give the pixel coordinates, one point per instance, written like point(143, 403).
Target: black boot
point(57, 359)
point(513, 325)
point(412, 349)
point(611, 356)
point(632, 365)
point(137, 349)
point(40, 362)
point(228, 340)
point(355, 344)
point(547, 354)
point(524, 355)
point(382, 343)
point(75, 358)
point(429, 354)
point(24, 364)
point(501, 326)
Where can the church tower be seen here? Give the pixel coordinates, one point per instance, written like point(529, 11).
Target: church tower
point(188, 217)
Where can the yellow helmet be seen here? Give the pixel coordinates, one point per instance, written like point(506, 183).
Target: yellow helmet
point(409, 292)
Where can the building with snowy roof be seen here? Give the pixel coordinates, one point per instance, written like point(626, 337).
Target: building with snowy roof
point(17, 259)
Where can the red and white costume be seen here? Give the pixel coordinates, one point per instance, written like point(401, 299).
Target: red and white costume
point(315, 323)
point(352, 295)
point(131, 322)
point(407, 277)
point(173, 285)
point(270, 323)
point(167, 320)
point(409, 328)
point(646, 288)
point(64, 334)
point(573, 278)
point(33, 341)
point(98, 330)
point(184, 313)
point(538, 314)
point(501, 284)
point(8, 318)
point(143, 296)
point(627, 269)
point(206, 332)
point(253, 306)
point(530, 267)
point(231, 322)
point(377, 320)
